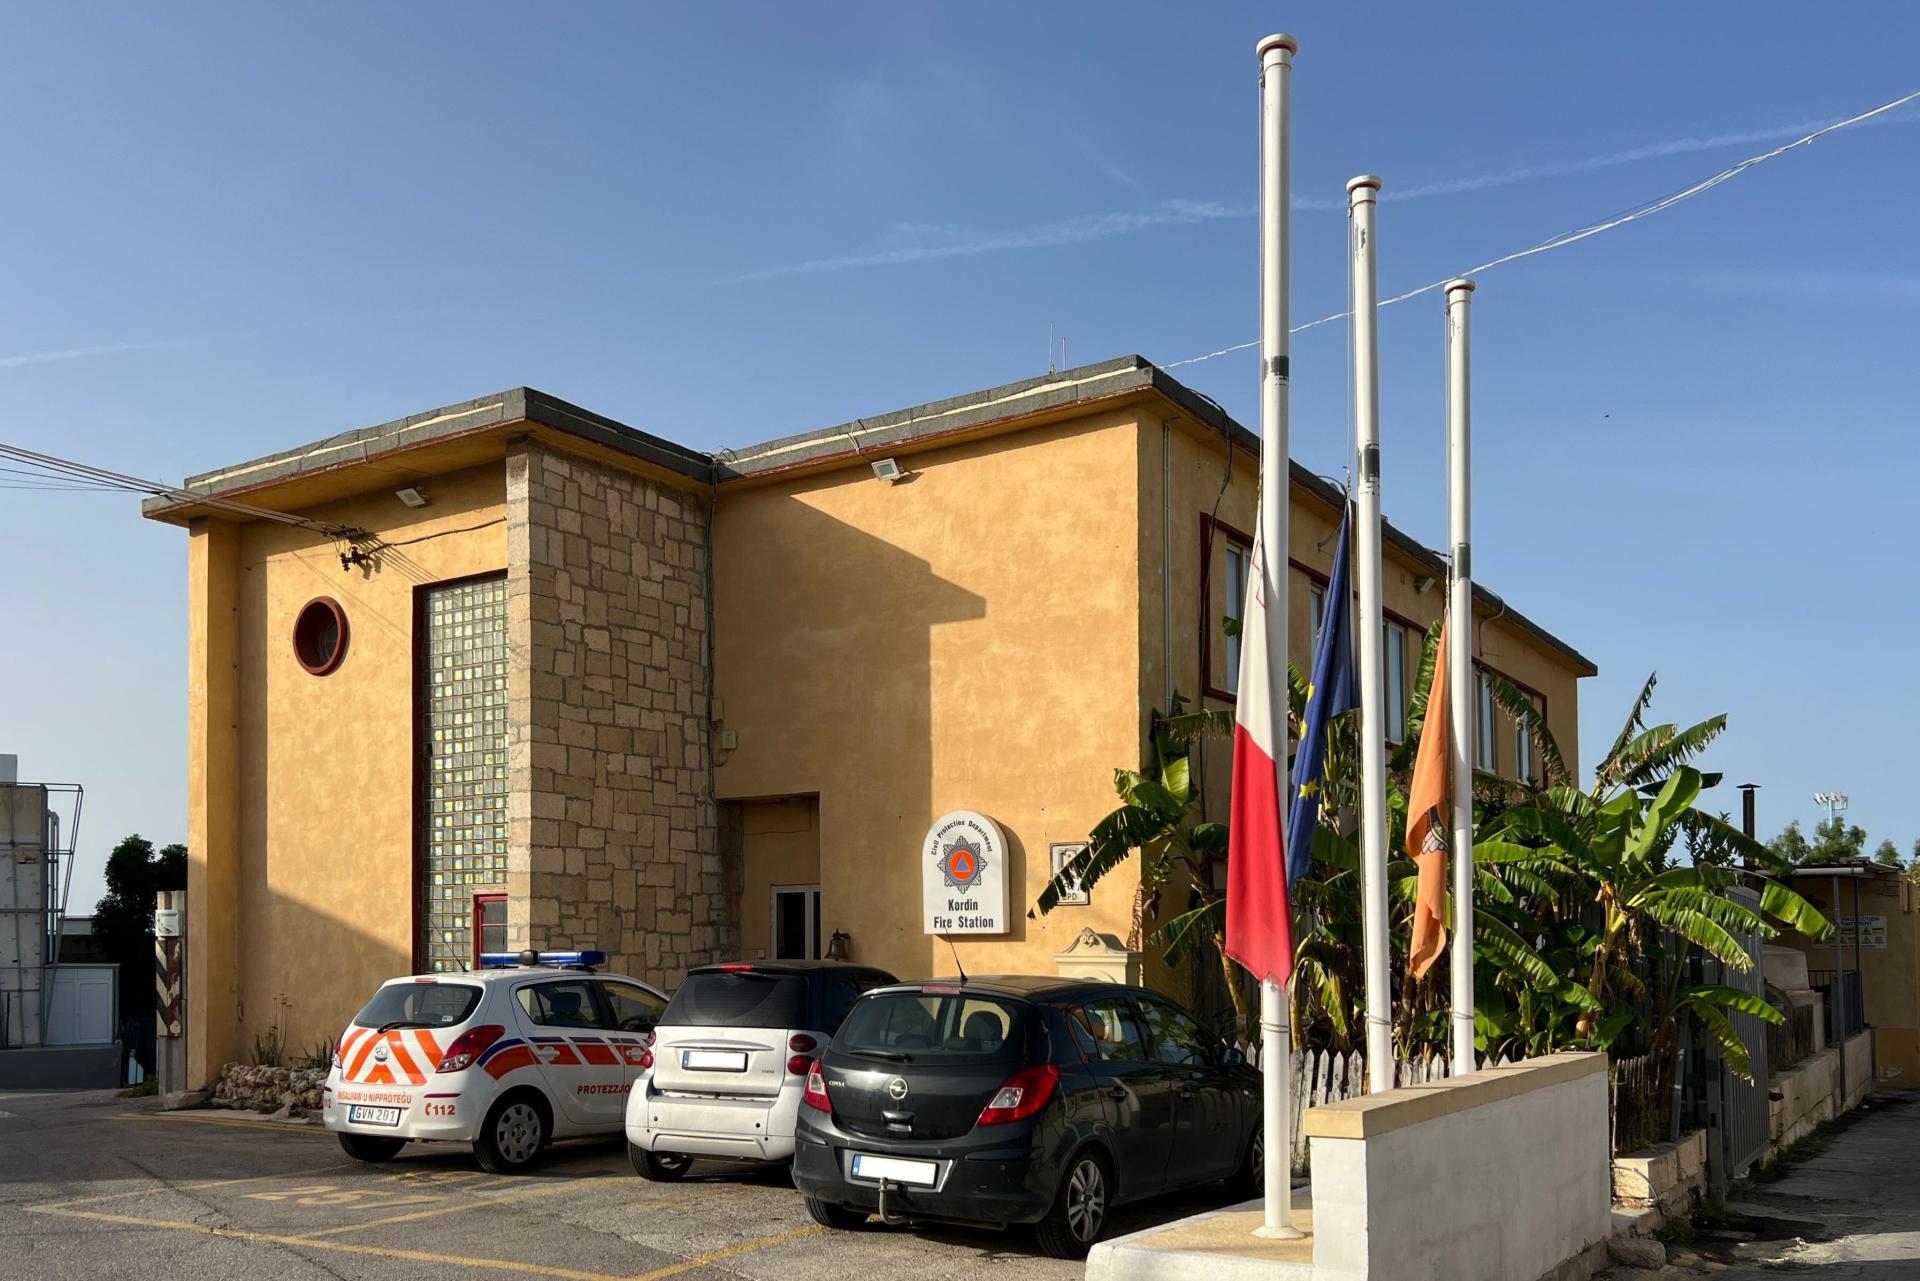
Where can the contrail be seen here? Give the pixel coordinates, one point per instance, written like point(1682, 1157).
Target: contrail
point(1066, 231)
point(74, 353)
point(1100, 226)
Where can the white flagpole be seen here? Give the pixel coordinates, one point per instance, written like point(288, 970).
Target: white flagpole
point(1369, 618)
point(1460, 660)
point(1276, 1040)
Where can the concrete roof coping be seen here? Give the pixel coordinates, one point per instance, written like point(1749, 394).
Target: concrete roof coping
point(1371, 1115)
point(515, 404)
point(974, 411)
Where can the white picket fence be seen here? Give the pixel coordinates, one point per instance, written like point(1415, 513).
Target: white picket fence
point(1321, 1076)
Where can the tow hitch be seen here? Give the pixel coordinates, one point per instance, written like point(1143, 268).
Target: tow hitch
point(887, 1216)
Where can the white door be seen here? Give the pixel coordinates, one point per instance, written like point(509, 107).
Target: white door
point(81, 1011)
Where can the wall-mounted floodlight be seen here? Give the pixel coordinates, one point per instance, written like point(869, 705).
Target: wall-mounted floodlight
point(411, 497)
point(889, 470)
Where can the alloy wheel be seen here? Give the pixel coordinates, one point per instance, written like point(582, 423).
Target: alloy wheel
point(517, 1133)
point(1086, 1200)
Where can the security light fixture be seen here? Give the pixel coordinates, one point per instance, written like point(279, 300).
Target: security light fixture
point(411, 496)
point(1424, 584)
point(888, 470)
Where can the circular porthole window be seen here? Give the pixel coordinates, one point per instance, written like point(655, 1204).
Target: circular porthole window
point(320, 635)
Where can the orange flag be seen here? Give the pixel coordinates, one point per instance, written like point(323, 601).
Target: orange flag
point(1427, 808)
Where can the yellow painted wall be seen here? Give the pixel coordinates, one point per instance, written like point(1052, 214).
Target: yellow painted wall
point(213, 746)
point(323, 773)
point(1197, 469)
point(1889, 976)
point(779, 845)
point(966, 639)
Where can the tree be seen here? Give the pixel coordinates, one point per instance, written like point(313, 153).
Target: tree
point(1888, 854)
point(123, 919)
point(1834, 840)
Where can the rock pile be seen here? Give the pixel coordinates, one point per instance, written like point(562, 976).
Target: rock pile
point(293, 1091)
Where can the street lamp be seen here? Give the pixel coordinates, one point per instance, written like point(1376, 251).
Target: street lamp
point(1834, 802)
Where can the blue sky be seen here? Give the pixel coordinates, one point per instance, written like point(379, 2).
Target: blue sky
point(1695, 435)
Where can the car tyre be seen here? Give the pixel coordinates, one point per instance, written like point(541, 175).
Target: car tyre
point(514, 1134)
point(843, 1218)
point(1079, 1213)
point(371, 1148)
point(659, 1167)
point(1250, 1180)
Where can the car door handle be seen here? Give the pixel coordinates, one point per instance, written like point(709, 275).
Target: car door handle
point(1119, 1093)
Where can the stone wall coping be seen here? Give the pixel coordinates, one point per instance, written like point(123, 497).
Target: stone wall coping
point(1372, 1115)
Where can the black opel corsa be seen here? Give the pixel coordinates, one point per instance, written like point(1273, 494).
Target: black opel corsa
point(1043, 1101)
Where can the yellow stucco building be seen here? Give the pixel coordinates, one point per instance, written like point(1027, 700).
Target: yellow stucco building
point(509, 674)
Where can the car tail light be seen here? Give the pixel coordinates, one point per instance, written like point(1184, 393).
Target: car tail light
point(815, 1095)
point(801, 1043)
point(652, 1036)
point(646, 1060)
point(1023, 1095)
point(470, 1045)
point(799, 1064)
point(735, 967)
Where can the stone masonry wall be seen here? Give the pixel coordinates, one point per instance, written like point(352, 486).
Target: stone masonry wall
point(612, 830)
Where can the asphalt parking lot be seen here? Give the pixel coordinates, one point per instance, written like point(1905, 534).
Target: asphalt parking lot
point(94, 1186)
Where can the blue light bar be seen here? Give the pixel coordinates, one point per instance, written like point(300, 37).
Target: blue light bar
point(512, 960)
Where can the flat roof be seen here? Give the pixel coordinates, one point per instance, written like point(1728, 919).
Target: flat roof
point(977, 412)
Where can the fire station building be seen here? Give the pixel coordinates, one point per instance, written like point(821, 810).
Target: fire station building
point(509, 673)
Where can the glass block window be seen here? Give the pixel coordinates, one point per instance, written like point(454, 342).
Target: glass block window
point(463, 655)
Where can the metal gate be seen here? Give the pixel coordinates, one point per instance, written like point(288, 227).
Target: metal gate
point(1739, 1114)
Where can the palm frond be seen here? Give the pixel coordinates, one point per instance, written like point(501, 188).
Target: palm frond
point(1677, 748)
point(1636, 719)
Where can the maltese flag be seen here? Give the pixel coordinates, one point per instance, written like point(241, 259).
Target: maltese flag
point(1259, 917)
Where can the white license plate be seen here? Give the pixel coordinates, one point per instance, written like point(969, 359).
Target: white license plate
point(714, 1060)
point(919, 1174)
point(363, 1115)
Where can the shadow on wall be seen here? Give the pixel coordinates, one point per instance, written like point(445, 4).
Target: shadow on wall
point(824, 666)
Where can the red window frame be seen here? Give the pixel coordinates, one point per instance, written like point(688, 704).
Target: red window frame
point(479, 902)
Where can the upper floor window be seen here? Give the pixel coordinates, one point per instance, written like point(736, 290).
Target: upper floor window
point(1231, 610)
point(1394, 658)
point(1316, 610)
point(1226, 568)
point(1484, 754)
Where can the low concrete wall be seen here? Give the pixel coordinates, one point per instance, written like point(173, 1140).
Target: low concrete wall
point(61, 1067)
point(1668, 1178)
point(1810, 1094)
point(1500, 1175)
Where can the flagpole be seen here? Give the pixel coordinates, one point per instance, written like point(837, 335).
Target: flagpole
point(1276, 1040)
point(1460, 660)
point(1369, 619)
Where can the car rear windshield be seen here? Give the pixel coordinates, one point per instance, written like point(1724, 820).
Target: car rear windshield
point(740, 998)
point(419, 1005)
point(921, 1025)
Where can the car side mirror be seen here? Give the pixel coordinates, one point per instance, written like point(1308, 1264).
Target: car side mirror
point(1232, 1057)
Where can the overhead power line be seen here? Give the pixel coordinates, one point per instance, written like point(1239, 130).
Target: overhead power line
point(54, 473)
point(1566, 238)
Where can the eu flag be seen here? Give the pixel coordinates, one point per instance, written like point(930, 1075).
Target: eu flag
point(1329, 693)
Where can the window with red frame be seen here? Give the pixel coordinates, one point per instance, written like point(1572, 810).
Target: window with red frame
point(489, 924)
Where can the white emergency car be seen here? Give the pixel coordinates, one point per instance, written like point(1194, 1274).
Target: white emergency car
point(527, 1049)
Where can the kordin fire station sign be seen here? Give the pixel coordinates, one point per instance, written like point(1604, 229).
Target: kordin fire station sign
point(963, 875)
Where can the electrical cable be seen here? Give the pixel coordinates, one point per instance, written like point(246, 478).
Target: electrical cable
point(55, 468)
point(1565, 238)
